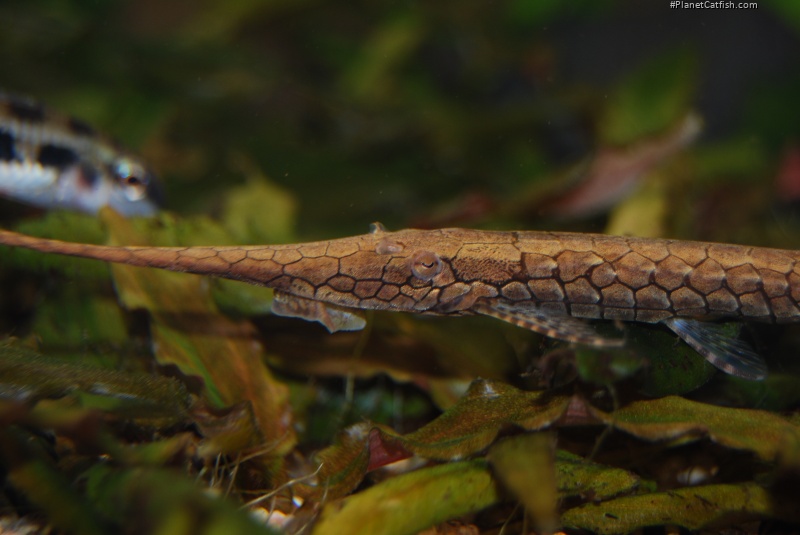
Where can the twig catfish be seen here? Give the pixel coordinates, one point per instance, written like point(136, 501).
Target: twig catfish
point(543, 281)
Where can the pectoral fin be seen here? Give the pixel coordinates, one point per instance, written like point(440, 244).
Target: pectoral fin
point(333, 317)
point(542, 321)
point(727, 353)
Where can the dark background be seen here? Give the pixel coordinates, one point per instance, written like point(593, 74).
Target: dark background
point(415, 112)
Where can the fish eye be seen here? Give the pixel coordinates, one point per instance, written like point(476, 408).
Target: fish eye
point(425, 265)
point(132, 180)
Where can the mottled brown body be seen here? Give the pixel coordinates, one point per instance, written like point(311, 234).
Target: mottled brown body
point(636, 279)
point(539, 280)
point(582, 275)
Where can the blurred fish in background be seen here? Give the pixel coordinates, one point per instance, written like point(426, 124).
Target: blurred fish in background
point(52, 161)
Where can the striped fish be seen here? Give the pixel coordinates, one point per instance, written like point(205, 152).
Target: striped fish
point(56, 162)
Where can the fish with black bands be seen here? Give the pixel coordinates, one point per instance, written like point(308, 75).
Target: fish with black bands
point(54, 161)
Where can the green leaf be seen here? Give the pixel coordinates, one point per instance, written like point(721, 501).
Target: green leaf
point(25, 375)
point(419, 499)
point(525, 464)
point(766, 434)
point(412, 502)
point(473, 423)
point(580, 477)
point(467, 428)
point(344, 463)
point(234, 297)
point(691, 508)
point(259, 212)
point(545, 12)
point(237, 298)
point(156, 453)
point(665, 364)
point(644, 212)
point(731, 161)
point(74, 318)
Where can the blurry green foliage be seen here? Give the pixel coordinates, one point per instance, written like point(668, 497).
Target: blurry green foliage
point(690, 508)
point(26, 376)
point(526, 466)
point(650, 99)
point(153, 500)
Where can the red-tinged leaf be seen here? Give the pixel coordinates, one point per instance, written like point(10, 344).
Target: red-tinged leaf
point(467, 428)
point(614, 172)
point(787, 183)
point(359, 449)
point(578, 413)
point(384, 449)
